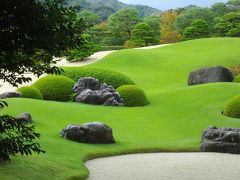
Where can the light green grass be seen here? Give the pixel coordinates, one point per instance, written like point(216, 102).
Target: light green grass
point(173, 121)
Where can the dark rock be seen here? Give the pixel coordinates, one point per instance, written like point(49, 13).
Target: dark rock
point(208, 75)
point(10, 95)
point(25, 117)
point(94, 133)
point(224, 140)
point(91, 91)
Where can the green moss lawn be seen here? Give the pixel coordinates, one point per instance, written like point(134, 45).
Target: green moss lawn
point(173, 121)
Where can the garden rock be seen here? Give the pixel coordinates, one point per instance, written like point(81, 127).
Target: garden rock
point(93, 133)
point(223, 140)
point(10, 95)
point(92, 91)
point(25, 117)
point(208, 75)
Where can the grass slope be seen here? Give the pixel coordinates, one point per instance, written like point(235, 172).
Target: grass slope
point(173, 121)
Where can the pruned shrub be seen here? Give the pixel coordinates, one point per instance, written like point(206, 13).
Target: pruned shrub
point(232, 108)
point(113, 78)
point(56, 88)
point(132, 96)
point(237, 79)
point(30, 92)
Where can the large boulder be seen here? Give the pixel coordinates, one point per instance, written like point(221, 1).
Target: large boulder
point(25, 117)
point(224, 140)
point(91, 91)
point(208, 75)
point(93, 133)
point(10, 95)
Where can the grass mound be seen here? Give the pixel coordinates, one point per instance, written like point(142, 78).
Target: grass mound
point(55, 88)
point(132, 95)
point(30, 92)
point(232, 108)
point(113, 78)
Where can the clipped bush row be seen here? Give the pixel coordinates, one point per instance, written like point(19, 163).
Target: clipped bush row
point(55, 88)
point(132, 96)
point(113, 78)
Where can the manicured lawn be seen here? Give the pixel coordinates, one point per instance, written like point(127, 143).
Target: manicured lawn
point(173, 121)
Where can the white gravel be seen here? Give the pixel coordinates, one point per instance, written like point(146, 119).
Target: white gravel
point(166, 166)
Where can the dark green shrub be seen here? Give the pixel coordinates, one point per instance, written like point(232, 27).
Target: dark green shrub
point(30, 92)
point(132, 96)
point(237, 79)
point(109, 48)
point(109, 77)
point(56, 88)
point(232, 108)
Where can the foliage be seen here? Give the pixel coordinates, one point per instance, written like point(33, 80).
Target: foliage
point(229, 25)
point(109, 48)
point(233, 5)
point(132, 96)
point(169, 33)
point(30, 92)
point(54, 29)
point(235, 69)
point(17, 137)
point(232, 108)
point(154, 22)
point(87, 49)
point(219, 9)
point(185, 19)
point(90, 18)
point(109, 77)
point(237, 79)
point(132, 44)
point(123, 21)
point(143, 34)
point(55, 88)
point(198, 29)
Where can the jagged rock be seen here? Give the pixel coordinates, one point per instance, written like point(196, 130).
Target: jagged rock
point(208, 75)
point(94, 133)
point(91, 91)
point(10, 95)
point(224, 140)
point(25, 117)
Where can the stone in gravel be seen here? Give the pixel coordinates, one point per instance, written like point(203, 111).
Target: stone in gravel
point(25, 117)
point(223, 140)
point(91, 91)
point(10, 95)
point(93, 133)
point(208, 75)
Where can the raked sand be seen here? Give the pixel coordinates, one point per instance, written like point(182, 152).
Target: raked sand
point(166, 166)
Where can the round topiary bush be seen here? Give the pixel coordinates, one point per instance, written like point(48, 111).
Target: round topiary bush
point(237, 79)
point(56, 88)
point(30, 92)
point(232, 108)
point(132, 96)
point(113, 78)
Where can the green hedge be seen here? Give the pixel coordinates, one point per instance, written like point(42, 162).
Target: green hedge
point(109, 48)
point(56, 88)
point(30, 92)
point(232, 108)
point(132, 96)
point(113, 78)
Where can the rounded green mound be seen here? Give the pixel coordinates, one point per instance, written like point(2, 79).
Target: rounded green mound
point(237, 79)
point(56, 88)
point(232, 108)
point(30, 92)
point(113, 78)
point(132, 96)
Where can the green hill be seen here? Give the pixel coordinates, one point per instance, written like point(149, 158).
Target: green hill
point(173, 121)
